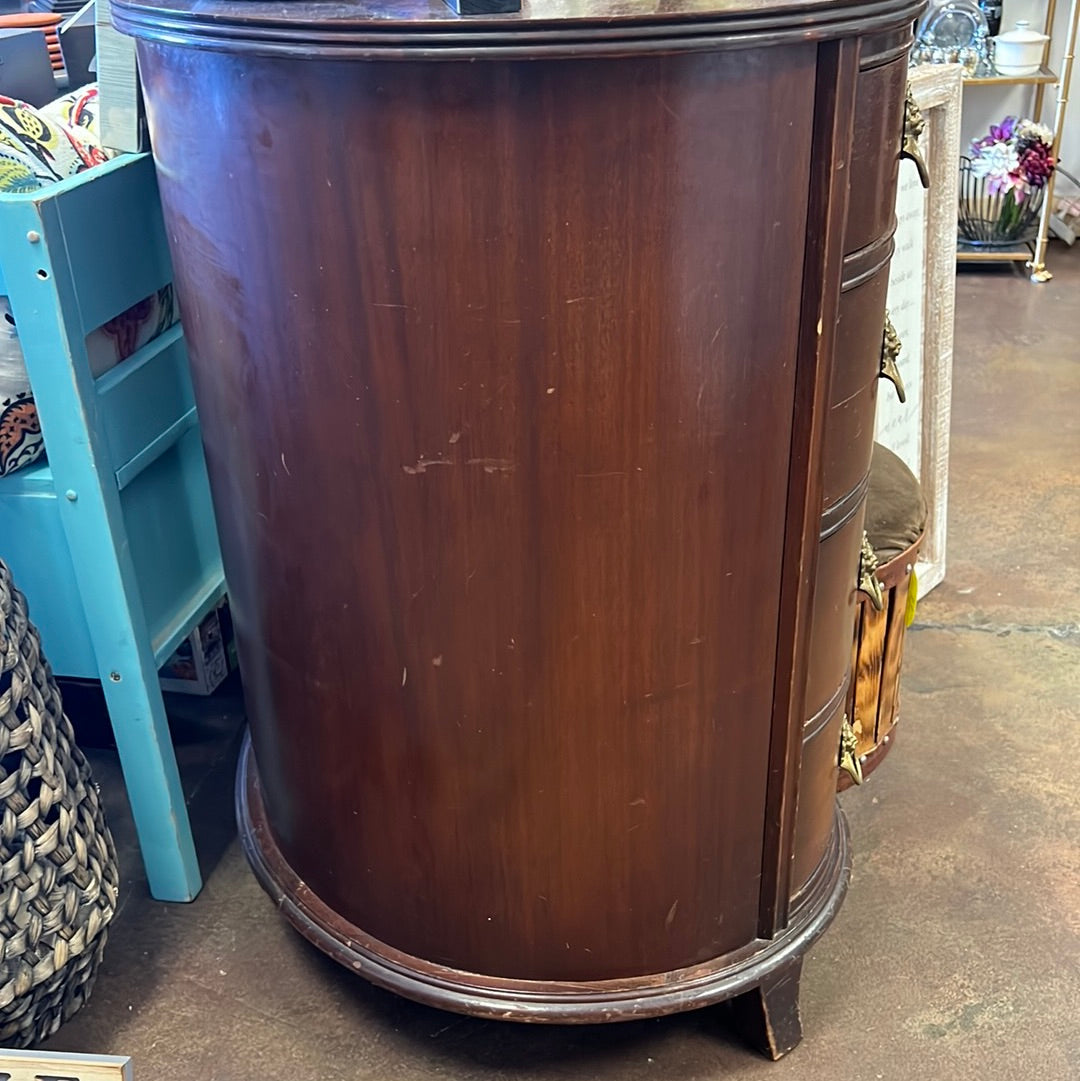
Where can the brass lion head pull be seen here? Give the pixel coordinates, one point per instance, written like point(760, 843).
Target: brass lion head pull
point(868, 579)
point(849, 752)
point(913, 129)
point(890, 352)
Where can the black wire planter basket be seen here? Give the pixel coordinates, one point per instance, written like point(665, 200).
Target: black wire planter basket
point(989, 221)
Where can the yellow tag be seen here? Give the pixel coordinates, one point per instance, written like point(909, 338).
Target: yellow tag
point(912, 599)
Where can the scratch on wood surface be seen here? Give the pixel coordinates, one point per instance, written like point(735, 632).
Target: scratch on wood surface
point(613, 473)
point(285, 464)
point(670, 918)
point(377, 304)
point(404, 675)
point(664, 105)
point(677, 687)
point(423, 464)
point(493, 465)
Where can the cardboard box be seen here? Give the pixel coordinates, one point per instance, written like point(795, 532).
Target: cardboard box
point(202, 661)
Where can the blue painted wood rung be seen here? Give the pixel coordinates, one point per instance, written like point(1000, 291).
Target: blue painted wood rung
point(115, 536)
point(190, 614)
point(108, 381)
point(150, 453)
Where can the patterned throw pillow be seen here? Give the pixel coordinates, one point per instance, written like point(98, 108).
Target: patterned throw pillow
point(20, 429)
point(37, 147)
point(78, 112)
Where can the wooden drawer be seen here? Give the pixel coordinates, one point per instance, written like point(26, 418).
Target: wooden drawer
point(849, 442)
point(832, 624)
point(875, 153)
point(817, 795)
point(860, 322)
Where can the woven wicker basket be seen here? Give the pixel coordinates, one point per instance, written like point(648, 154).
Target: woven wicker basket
point(58, 873)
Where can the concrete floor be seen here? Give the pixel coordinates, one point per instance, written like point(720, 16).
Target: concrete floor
point(957, 953)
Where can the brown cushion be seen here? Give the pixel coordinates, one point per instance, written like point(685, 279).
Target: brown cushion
point(895, 508)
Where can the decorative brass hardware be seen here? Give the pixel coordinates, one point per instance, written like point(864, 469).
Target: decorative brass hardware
point(868, 579)
point(849, 752)
point(890, 351)
point(913, 128)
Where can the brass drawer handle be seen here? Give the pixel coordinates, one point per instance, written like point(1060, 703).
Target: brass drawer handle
point(849, 752)
point(913, 128)
point(890, 352)
point(868, 579)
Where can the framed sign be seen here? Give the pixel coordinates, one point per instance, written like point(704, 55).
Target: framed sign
point(922, 291)
point(44, 1066)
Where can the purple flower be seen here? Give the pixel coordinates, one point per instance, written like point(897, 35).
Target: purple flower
point(1003, 132)
point(1036, 164)
point(999, 133)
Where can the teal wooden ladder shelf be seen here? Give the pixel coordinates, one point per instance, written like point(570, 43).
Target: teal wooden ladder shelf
point(113, 539)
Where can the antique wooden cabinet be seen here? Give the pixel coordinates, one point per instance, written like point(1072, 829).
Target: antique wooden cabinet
point(536, 358)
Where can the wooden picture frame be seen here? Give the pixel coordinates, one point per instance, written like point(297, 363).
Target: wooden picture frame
point(42, 1065)
point(922, 291)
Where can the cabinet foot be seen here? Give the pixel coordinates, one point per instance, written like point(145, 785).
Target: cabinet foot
point(768, 1016)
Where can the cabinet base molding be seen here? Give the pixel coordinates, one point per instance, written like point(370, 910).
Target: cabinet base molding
point(763, 978)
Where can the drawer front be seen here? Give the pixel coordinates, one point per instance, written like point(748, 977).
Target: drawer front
point(832, 625)
point(859, 327)
point(875, 153)
point(817, 797)
point(849, 443)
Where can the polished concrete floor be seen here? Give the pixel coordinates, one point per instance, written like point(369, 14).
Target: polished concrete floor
point(956, 956)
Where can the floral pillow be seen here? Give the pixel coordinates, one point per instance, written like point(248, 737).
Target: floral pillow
point(39, 147)
point(36, 145)
point(20, 429)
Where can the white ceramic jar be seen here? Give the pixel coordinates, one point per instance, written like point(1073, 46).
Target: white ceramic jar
point(1019, 52)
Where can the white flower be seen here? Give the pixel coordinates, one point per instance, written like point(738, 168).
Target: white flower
point(996, 161)
point(1028, 129)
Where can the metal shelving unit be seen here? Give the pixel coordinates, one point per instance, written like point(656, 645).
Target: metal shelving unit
point(1042, 78)
point(1033, 254)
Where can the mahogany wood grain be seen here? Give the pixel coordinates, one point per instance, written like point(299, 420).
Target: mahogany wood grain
point(817, 795)
point(513, 352)
point(875, 159)
point(835, 594)
point(849, 441)
point(428, 30)
point(769, 1014)
point(828, 199)
point(858, 340)
point(504, 522)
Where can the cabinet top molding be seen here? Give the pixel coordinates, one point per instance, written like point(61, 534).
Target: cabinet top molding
point(431, 30)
